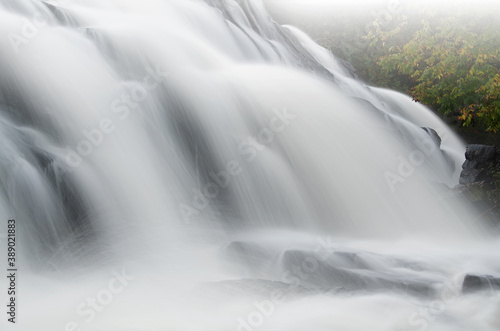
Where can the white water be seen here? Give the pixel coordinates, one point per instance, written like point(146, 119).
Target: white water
point(176, 89)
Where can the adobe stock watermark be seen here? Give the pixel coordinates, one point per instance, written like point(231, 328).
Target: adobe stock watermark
point(266, 308)
point(30, 28)
point(434, 309)
point(249, 150)
point(408, 165)
point(93, 305)
point(121, 107)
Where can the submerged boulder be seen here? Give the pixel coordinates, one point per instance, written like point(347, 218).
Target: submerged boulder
point(357, 272)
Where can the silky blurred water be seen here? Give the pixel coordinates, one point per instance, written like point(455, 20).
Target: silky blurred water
point(231, 172)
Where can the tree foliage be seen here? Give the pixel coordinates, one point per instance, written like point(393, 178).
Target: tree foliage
point(453, 64)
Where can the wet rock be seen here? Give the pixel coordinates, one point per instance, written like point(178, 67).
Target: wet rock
point(480, 164)
point(433, 135)
point(474, 283)
point(478, 183)
point(354, 273)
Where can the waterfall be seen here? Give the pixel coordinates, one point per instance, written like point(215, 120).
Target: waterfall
point(194, 152)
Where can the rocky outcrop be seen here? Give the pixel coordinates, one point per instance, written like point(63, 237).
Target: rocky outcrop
point(481, 163)
point(479, 183)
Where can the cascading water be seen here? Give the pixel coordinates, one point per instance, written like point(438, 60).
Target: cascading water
point(190, 165)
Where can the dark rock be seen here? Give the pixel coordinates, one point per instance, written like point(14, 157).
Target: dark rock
point(480, 164)
point(474, 283)
point(478, 183)
point(434, 136)
point(480, 153)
